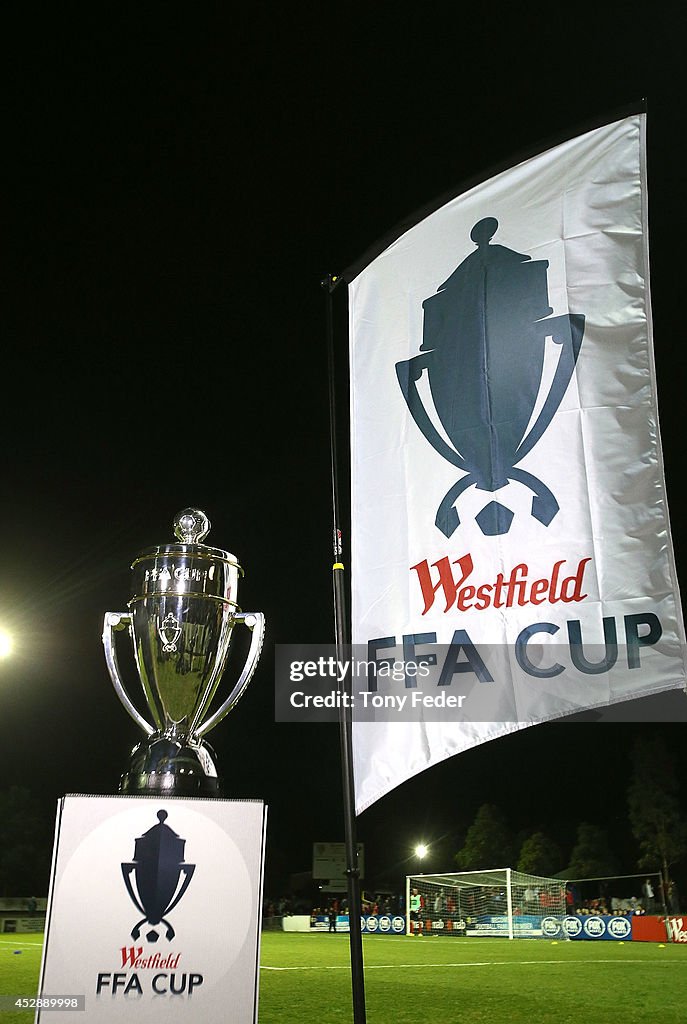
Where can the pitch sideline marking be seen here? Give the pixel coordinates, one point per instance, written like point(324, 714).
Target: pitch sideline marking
point(476, 963)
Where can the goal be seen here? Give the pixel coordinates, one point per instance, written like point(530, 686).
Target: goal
point(501, 902)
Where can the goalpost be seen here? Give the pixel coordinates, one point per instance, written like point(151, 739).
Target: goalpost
point(500, 902)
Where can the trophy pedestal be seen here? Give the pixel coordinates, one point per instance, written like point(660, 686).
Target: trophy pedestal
point(165, 766)
point(161, 898)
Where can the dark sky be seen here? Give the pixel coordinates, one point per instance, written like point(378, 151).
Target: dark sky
point(180, 181)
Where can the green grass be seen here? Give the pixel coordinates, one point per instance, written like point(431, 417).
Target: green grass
point(20, 962)
point(306, 978)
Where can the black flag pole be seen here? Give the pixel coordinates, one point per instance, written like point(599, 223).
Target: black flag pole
point(343, 645)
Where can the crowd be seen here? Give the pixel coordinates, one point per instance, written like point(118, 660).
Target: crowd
point(282, 906)
point(378, 903)
point(649, 902)
point(529, 900)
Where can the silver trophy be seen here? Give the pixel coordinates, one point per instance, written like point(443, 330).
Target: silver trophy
point(181, 617)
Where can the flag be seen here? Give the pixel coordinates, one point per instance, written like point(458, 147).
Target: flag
point(509, 522)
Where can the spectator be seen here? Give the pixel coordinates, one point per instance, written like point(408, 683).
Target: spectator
point(648, 895)
point(672, 897)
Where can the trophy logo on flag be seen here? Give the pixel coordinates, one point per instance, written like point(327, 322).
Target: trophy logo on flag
point(153, 878)
point(181, 618)
point(483, 347)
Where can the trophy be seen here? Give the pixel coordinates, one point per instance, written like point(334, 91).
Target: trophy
point(181, 617)
point(156, 870)
point(483, 349)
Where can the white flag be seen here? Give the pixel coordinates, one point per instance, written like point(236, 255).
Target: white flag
point(508, 497)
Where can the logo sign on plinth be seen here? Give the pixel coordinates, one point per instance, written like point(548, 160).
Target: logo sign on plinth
point(155, 909)
point(510, 534)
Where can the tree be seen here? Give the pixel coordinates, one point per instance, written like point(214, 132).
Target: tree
point(489, 842)
point(539, 855)
point(653, 802)
point(26, 844)
point(591, 856)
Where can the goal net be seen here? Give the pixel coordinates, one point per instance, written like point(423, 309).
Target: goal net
point(501, 902)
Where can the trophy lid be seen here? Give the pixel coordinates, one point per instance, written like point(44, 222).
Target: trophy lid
point(486, 254)
point(492, 278)
point(188, 567)
point(160, 844)
point(191, 526)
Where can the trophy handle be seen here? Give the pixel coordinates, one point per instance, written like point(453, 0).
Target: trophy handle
point(408, 373)
point(256, 623)
point(187, 871)
point(566, 331)
point(118, 621)
point(126, 873)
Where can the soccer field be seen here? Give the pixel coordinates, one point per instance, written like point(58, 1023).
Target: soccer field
point(306, 978)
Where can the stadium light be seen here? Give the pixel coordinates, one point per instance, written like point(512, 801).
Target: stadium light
point(421, 851)
point(5, 644)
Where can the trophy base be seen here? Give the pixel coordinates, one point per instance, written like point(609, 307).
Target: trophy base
point(162, 766)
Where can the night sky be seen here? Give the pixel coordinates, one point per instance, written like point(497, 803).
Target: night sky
point(181, 179)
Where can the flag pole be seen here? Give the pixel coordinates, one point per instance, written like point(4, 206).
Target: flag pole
point(343, 645)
